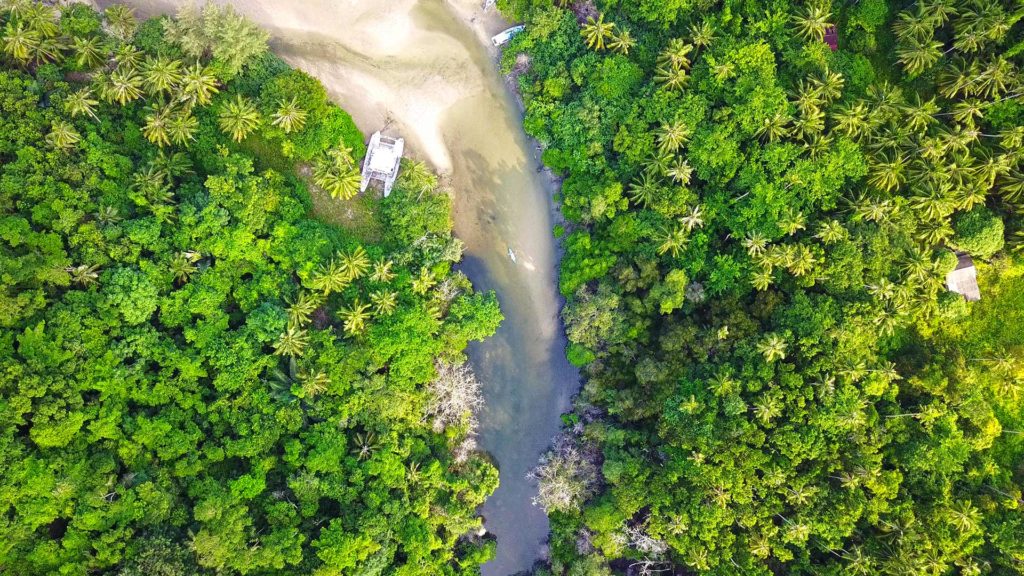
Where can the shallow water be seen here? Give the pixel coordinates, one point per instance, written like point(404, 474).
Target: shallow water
point(422, 68)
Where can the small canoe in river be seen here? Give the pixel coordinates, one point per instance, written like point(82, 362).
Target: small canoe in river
point(504, 37)
point(512, 255)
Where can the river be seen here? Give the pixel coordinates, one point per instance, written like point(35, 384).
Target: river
point(425, 69)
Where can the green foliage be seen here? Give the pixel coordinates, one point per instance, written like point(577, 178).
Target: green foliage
point(195, 376)
point(760, 229)
point(979, 233)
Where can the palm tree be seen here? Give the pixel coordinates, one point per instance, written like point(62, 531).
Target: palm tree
point(107, 215)
point(676, 54)
point(762, 279)
point(198, 85)
point(920, 114)
point(365, 445)
point(852, 120)
point(693, 219)
point(89, 52)
point(121, 19)
point(382, 271)
point(181, 127)
point(702, 34)
point(123, 85)
point(888, 173)
point(329, 278)
point(19, 42)
point(384, 302)
point(803, 261)
point(755, 243)
point(914, 25)
point(873, 209)
point(174, 165)
point(313, 383)
point(680, 171)
point(128, 56)
point(238, 117)
point(355, 263)
point(289, 116)
point(643, 190)
point(831, 231)
point(422, 284)
point(919, 55)
point(292, 342)
point(157, 129)
point(790, 221)
point(160, 74)
point(622, 42)
point(301, 310)
point(774, 127)
point(355, 317)
point(339, 181)
point(183, 265)
point(81, 102)
point(672, 241)
point(812, 22)
point(84, 274)
point(671, 76)
point(672, 135)
point(48, 50)
point(596, 32)
point(773, 347)
point(62, 135)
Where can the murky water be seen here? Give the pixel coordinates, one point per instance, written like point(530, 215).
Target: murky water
point(422, 67)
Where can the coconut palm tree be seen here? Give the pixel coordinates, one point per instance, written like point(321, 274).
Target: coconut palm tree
point(107, 215)
point(762, 279)
point(238, 117)
point(89, 52)
point(181, 127)
point(81, 102)
point(831, 231)
point(672, 135)
point(680, 171)
point(803, 261)
point(382, 271)
point(424, 282)
point(693, 219)
point(339, 181)
point(84, 274)
point(887, 173)
point(174, 165)
point(292, 342)
point(755, 243)
point(123, 85)
point(918, 55)
point(597, 32)
point(812, 21)
point(622, 42)
point(313, 383)
point(829, 85)
point(791, 221)
point(160, 75)
point(917, 25)
point(920, 114)
point(289, 116)
point(121, 19)
point(62, 135)
point(672, 240)
point(355, 317)
point(702, 34)
point(773, 128)
point(676, 54)
point(19, 42)
point(300, 312)
point(384, 302)
point(354, 263)
point(671, 76)
point(772, 347)
point(852, 120)
point(183, 265)
point(329, 278)
point(872, 209)
point(157, 127)
point(198, 85)
point(42, 18)
point(128, 56)
point(643, 190)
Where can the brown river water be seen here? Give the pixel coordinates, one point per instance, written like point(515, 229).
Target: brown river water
point(425, 69)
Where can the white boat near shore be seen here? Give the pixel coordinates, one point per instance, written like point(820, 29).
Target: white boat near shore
point(503, 37)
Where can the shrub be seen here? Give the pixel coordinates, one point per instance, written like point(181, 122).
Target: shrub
point(979, 233)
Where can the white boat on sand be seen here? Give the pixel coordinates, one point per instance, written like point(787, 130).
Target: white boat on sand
point(506, 35)
point(383, 158)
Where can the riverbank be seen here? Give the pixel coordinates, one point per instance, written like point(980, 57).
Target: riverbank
point(426, 70)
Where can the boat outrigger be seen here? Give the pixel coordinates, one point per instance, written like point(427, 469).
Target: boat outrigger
point(504, 36)
point(383, 158)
